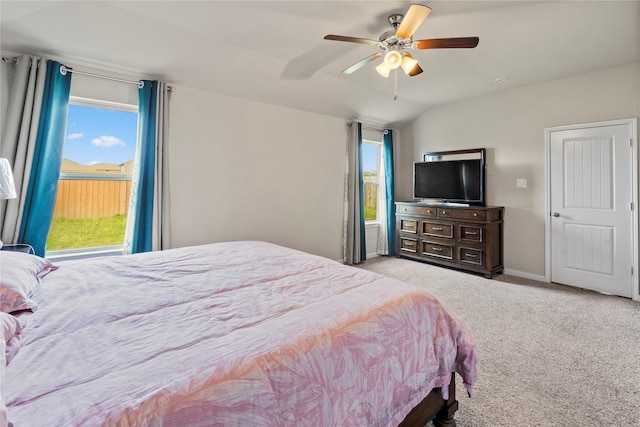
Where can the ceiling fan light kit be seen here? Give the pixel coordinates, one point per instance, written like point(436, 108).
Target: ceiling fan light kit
point(393, 43)
point(409, 65)
point(383, 70)
point(393, 59)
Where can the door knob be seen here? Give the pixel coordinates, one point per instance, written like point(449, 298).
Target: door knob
point(556, 214)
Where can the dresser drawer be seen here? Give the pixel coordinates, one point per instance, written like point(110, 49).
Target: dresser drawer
point(471, 256)
point(408, 244)
point(437, 229)
point(472, 214)
point(416, 209)
point(437, 250)
point(445, 213)
point(408, 225)
point(471, 233)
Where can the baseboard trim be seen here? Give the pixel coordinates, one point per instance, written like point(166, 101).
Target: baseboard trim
point(525, 275)
point(369, 256)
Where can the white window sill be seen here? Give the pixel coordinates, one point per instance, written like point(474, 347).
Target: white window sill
point(69, 254)
point(371, 224)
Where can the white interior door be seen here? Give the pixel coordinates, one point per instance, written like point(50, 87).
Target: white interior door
point(591, 171)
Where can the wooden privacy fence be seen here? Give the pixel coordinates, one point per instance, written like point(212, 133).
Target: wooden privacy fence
point(370, 194)
point(92, 195)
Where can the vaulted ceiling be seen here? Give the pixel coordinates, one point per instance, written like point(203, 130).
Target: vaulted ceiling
point(274, 52)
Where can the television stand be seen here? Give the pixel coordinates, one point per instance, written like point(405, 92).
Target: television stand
point(468, 238)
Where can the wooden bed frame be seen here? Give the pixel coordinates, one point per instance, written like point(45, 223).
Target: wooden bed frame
point(434, 406)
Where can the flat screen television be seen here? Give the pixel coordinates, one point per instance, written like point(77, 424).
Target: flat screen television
point(450, 177)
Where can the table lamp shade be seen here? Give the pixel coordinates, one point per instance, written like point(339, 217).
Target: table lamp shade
point(7, 187)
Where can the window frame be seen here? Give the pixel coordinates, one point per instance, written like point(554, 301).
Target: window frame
point(92, 251)
point(378, 145)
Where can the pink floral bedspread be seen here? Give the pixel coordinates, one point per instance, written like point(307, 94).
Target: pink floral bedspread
point(230, 334)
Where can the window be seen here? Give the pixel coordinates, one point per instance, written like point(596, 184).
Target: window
point(95, 180)
point(371, 178)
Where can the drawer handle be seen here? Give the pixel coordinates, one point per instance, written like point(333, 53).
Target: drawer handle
point(475, 214)
point(437, 228)
point(437, 249)
point(471, 255)
point(472, 233)
point(444, 212)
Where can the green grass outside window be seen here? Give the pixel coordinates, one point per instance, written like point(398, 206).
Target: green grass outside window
point(68, 233)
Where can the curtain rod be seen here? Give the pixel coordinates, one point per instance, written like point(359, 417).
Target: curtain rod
point(64, 70)
point(384, 131)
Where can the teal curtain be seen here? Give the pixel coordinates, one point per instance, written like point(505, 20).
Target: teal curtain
point(363, 243)
point(47, 160)
point(387, 148)
point(148, 219)
point(141, 214)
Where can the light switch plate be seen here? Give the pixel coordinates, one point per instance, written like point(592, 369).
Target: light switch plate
point(521, 183)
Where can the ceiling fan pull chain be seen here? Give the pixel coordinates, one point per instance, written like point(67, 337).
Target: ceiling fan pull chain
point(395, 84)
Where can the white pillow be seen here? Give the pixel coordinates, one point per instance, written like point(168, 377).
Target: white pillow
point(20, 276)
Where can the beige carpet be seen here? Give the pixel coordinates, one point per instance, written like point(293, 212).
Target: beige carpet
point(550, 355)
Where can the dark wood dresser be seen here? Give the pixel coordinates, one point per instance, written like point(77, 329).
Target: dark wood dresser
point(466, 238)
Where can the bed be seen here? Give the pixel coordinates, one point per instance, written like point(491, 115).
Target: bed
point(225, 334)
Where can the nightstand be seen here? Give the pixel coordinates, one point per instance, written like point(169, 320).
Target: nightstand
point(18, 247)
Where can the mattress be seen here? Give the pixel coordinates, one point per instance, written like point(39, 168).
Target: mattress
point(230, 334)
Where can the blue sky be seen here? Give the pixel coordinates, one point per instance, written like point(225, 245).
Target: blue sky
point(369, 157)
point(99, 135)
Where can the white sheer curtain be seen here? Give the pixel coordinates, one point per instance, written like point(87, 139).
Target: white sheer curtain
point(25, 77)
point(382, 247)
point(161, 215)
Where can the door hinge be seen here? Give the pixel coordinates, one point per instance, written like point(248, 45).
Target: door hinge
point(631, 205)
point(631, 142)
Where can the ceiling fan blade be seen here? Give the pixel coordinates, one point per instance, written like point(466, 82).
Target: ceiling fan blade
point(362, 63)
point(452, 42)
point(416, 14)
point(351, 39)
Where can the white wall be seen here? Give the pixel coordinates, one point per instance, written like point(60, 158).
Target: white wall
point(246, 170)
point(511, 124)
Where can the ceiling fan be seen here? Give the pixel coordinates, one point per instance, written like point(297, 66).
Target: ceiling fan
point(395, 42)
